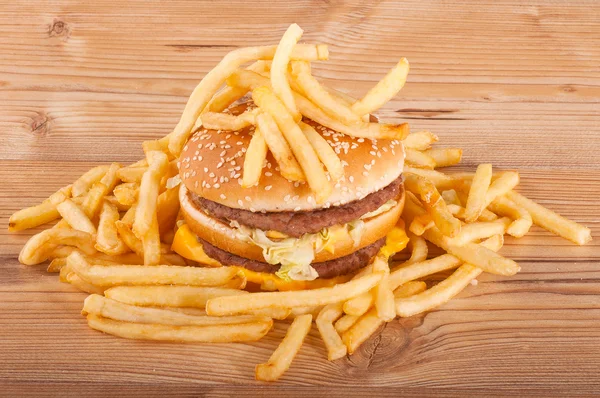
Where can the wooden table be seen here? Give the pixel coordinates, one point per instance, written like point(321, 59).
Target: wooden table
point(513, 83)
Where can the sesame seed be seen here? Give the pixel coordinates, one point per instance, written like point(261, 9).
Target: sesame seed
point(207, 185)
point(216, 185)
point(296, 197)
point(373, 161)
point(222, 153)
point(296, 184)
point(268, 174)
point(365, 173)
point(206, 169)
point(373, 153)
point(240, 202)
point(200, 158)
point(351, 179)
point(239, 143)
point(222, 196)
point(239, 180)
point(196, 184)
point(248, 199)
point(211, 175)
point(253, 210)
point(367, 167)
point(361, 140)
point(286, 198)
point(268, 187)
point(384, 149)
point(297, 208)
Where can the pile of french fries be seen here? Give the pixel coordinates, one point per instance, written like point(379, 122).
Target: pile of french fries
point(117, 224)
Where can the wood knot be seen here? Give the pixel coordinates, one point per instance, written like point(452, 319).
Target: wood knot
point(382, 350)
point(59, 28)
point(40, 124)
point(568, 89)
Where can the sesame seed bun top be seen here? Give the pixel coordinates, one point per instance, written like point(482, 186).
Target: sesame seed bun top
point(211, 166)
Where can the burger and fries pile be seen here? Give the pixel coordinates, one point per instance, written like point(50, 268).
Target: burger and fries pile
point(277, 198)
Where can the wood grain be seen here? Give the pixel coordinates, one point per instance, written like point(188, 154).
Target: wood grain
point(513, 83)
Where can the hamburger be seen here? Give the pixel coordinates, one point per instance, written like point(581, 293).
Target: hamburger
point(275, 231)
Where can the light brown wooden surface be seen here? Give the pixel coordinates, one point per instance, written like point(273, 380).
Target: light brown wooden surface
point(513, 83)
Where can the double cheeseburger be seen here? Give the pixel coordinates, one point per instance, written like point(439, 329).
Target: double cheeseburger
point(276, 232)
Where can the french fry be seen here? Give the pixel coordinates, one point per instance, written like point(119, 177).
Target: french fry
point(129, 216)
point(313, 112)
point(85, 182)
point(410, 289)
point(57, 264)
point(132, 174)
point(501, 186)
point(364, 328)
point(113, 201)
point(225, 121)
point(420, 141)
point(552, 221)
point(255, 157)
point(477, 194)
point(197, 334)
point(359, 305)
point(440, 180)
point(108, 275)
point(232, 305)
point(129, 238)
point(302, 149)
point(419, 249)
point(205, 90)
point(384, 90)
point(74, 279)
point(279, 67)
point(433, 203)
point(345, 323)
point(419, 159)
point(439, 294)
point(445, 157)
point(41, 214)
point(382, 294)
point(475, 254)
point(361, 130)
point(107, 239)
point(224, 98)
point(451, 197)
point(75, 217)
point(108, 308)
point(93, 199)
point(282, 357)
point(151, 244)
point(335, 347)
point(149, 187)
point(42, 246)
point(402, 276)
point(289, 167)
point(127, 193)
point(318, 95)
point(480, 230)
point(168, 296)
point(274, 313)
point(110, 179)
point(167, 208)
point(324, 151)
point(522, 219)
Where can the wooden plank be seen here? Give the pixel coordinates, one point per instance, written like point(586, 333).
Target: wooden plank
point(513, 83)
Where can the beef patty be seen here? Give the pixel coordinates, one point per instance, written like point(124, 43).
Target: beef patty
point(326, 269)
point(298, 223)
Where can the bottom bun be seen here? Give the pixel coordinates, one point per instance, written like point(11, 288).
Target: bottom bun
point(224, 237)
